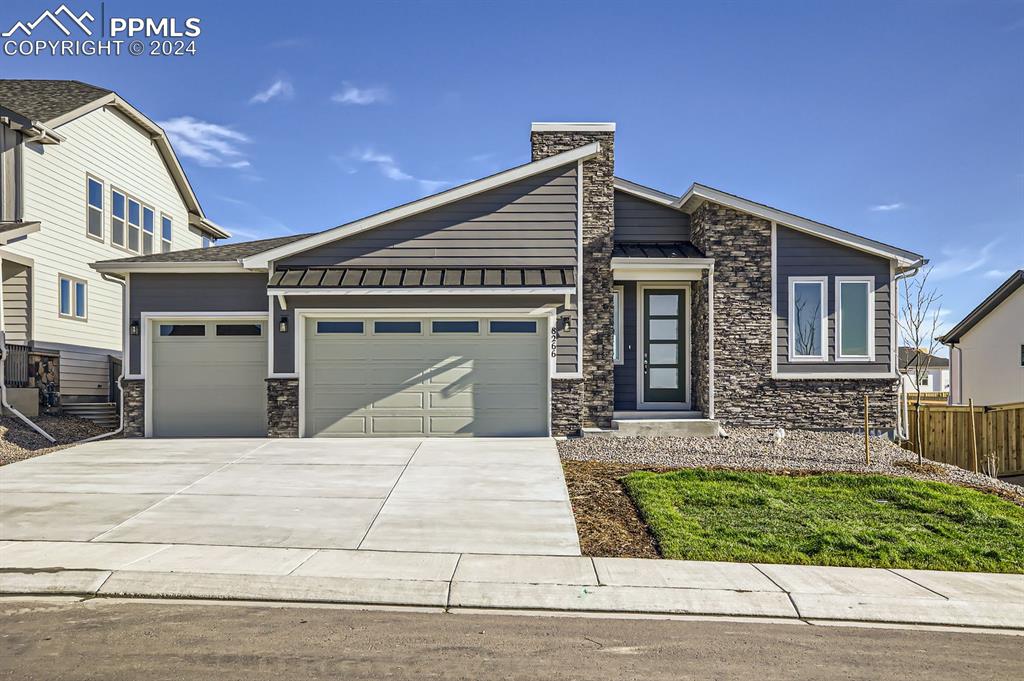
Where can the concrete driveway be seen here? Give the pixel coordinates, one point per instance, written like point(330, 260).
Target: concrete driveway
point(493, 495)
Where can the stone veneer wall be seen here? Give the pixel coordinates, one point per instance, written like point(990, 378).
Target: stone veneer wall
point(133, 402)
point(566, 406)
point(598, 398)
point(282, 407)
point(745, 392)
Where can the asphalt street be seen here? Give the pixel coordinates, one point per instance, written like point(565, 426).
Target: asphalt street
point(112, 640)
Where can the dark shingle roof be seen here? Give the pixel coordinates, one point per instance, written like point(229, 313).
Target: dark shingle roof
point(678, 249)
point(422, 277)
point(907, 356)
point(1005, 290)
point(44, 100)
point(225, 253)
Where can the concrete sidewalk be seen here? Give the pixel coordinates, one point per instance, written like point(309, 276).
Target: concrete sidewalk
point(451, 581)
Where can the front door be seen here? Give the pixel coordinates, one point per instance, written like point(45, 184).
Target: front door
point(664, 356)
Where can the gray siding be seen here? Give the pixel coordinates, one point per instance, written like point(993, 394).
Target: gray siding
point(625, 373)
point(244, 292)
point(527, 223)
point(284, 343)
point(802, 255)
point(638, 220)
point(17, 301)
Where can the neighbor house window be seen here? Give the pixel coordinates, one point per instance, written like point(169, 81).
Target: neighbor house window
point(207, 241)
point(855, 312)
point(148, 229)
point(134, 224)
point(72, 297)
point(807, 319)
point(117, 217)
point(165, 234)
point(617, 325)
point(94, 208)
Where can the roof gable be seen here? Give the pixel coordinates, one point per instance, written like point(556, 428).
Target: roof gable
point(994, 300)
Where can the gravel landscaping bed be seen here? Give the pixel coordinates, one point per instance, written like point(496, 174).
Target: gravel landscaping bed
point(19, 442)
point(755, 449)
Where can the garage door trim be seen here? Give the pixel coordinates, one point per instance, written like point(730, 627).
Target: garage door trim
point(150, 320)
point(545, 317)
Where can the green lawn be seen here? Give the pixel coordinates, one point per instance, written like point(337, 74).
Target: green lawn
point(841, 519)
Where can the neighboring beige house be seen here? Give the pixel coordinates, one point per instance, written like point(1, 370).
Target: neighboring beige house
point(986, 349)
point(936, 375)
point(83, 177)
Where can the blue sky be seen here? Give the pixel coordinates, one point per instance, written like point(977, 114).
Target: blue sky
point(903, 121)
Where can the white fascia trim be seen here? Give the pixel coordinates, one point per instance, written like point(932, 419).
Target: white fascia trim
point(696, 193)
point(646, 193)
point(571, 126)
point(833, 375)
point(658, 269)
point(552, 291)
point(21, 230)
point(164, 267)
point(261, 260)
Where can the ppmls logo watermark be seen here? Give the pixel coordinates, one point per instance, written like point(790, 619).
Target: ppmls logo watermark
point(85, 36)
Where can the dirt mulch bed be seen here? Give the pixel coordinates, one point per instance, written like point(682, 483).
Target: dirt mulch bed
point(19, 442)
point(607, 520)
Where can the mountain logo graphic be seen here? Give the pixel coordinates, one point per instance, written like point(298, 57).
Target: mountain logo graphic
point(78, 21)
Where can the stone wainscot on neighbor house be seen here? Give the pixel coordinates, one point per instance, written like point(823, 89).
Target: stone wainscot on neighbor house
point(553, 298)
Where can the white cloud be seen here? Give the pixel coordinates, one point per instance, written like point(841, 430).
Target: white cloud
point(350, 94)
point(389, 168)
point(959, 261)
point(996, 274)
point(280, 88)
point(886, 207)
point(209, 144)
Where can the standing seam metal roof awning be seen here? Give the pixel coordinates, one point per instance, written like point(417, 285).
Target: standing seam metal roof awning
point(676, 249)
point(421, 277)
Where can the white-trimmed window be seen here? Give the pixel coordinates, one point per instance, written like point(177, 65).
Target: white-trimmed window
point(166, 231)
point(118, 212)
point(72, 297)
point(207, 241)
point(134, 224)
point(855, 318)
point(148, 229)
point(808, 319)
point(94, 207)
point(617, 338)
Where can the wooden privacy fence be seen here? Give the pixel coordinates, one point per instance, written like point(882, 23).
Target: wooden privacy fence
point(946, 435)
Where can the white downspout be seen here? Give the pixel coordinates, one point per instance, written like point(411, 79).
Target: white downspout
point(124, 358)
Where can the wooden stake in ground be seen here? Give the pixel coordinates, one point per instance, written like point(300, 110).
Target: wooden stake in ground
point(974, 437)
point(867, 448)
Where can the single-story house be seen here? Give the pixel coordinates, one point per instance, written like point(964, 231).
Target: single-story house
point(986, 348)
point(935, 370)
point(551, 298)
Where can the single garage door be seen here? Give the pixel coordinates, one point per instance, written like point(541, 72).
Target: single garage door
point(208, 379)
point(442, 377)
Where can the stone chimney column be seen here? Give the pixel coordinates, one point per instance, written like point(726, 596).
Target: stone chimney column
point(598, 385)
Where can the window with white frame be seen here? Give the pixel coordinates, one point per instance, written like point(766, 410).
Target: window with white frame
point(94, 208)
point(165, 234)
point(207, 241)
point(148, 229)
point(72, 297)
point(117, 217)
point(808, 319)
point(617, 299)
point(855, 318)
point(134, 224)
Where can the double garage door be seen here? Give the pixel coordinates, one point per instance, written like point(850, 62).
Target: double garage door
point(361, 378)
point(435, 377)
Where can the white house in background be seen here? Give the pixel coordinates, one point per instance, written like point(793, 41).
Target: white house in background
point(84, 176)
point(986, 349)
point(936, 378)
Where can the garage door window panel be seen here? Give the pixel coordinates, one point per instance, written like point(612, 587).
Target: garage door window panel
point(239, 329)
point(461, 326)
point(191, 330)
point(397, 327)
point(513, 327)
point(339, 327)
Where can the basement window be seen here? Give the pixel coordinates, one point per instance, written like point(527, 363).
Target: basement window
point(182, 329)
point(514, 327)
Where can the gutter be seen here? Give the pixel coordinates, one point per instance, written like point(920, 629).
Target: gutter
point(124, 356)
point(3, 392)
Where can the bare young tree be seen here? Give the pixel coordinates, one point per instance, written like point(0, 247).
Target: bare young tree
point(920, 308)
